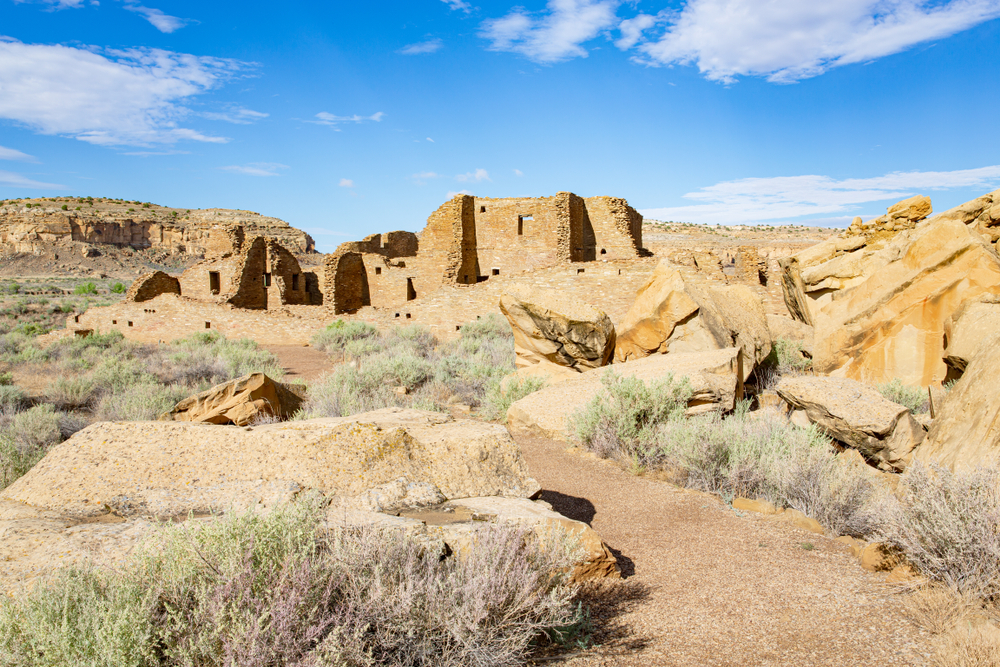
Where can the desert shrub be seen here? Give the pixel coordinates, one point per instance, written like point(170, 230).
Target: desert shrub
point(18, 348)
point(499, 396)
point(143, 401)
point(36, 428)
point(346, 391)
point(338, 333)
point(15, 461)
point(622, 418)
point(913, 398)
point(6, 379)
point(948, 525)
point(11, 397)
point(237, 357)
point(275, 589)
point(789, 356)
point(84, 289)
point(118, 288)
point(70, 392)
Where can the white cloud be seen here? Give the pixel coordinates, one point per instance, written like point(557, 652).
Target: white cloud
point(452, 193)
point(518, 172)
point(57, 4)
point(423, 177)
point(236, 115)
point(19, 181)
point(132, 97)
point(556, 34)
point(789, 40)
point(477, 175)
point(752, 200)
point(458, 4)
point(633, 28)
point(162, 22)
point(346, 183)
point(325, 118)
point(430, 140)
point(257, 168)
point(15, 155)
point(428, 46)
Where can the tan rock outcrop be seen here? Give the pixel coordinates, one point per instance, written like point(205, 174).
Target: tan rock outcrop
point(715, 378)
point(975, 321)
point(672, 315)
point(856, 415)
point(879, 298)
point(965, 432)
point(793, 330)
point(557, 328)
point(241, 401)
point(377, 460)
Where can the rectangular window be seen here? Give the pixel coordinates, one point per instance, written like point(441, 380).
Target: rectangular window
point(267, 280)
point(378, 270)
point(214, 283)
point(208, 325)
point(496, 272)
point(411, 293)
point(295, 282)
point(482, 209)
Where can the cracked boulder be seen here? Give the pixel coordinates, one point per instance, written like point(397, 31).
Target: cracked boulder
point(242, 401)
point(554, 327)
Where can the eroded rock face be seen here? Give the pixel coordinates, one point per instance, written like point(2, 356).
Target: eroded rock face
point(671, 315)
point(241, 401)
point(856, 415)
point(973, 323)
point(793, 330)
point(879, 297)
point(377, 460)
point(965, 432)
point(557, 328)
point(715, 377)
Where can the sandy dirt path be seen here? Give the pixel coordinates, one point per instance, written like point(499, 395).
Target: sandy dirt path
point(301, 362)
point(706, 585)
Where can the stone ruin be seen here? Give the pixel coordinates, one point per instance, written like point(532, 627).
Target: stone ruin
point(466, 241)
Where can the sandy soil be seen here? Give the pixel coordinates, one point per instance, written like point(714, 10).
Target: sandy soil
point(706, 585)
point(300, 362)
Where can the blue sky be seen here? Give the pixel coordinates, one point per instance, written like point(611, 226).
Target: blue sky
point(349, 118)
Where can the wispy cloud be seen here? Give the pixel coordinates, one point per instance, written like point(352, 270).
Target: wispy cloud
point(789, 40)
point(257, 168)
point(518, 172)
point(452, 193)
point(133, 97)
point(159, 20)
point(15, 155)
point(19, 181)
point(460, 5)
point(430, 140)
point(55, 4)
point(477, 175)
point(325, 118)
point(554, 35)
point(428, 46)
point(423, 177)
point(346, 183)
point(236, 115)
point(752, 200)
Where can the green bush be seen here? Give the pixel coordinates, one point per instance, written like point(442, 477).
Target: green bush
point(11, 397)
point(337, 334)
point(500, 396)
point(275, 589)
point(914, 399)
point(6, 379)
point(15, 461)
point(85, 288)
point(118, 288)
point(621, 419)
point(70, 392)
point(789, 356)
point(139, 402)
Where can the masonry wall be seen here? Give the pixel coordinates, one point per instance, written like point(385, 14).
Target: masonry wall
point(517, 234)
point(447, 253)
point(151, 285)
point(612, 229)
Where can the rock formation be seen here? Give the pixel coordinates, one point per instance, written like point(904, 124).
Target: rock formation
point(879, 294)
point(856, 415)
point(976, 321)
point(672, 315)
point(556, 328)
point(242, 401)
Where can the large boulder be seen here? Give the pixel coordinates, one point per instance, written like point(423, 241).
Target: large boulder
point(555, 327)
point(790, 329)
point(965, 432)
point(246, 400)
point(672, 315)
point(879, 295)
point(377, 460)
point(974, 322)
point(856, 415)
point(715, 378)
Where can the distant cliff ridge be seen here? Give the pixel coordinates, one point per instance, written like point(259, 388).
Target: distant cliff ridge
point(35, 225)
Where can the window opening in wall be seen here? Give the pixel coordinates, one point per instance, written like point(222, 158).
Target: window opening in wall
point(496, 272)
point(411, 293)
point(378, 270)
point(76, 318)
point(482, 209)
point(214, 284)
point(295, 281)
point(458, 327)
point(603, 251)
point(114, 321)
point(401, 265)
point(267, 280)
point(397, 314)
point(208, 325)
point(407, 316)
point(465, 279)
point(579, 271)
point(130, 322)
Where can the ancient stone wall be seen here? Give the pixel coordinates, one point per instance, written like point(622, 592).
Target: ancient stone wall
point(616, 229)
point(152, 285)
point(445, 246)
point(517, 234)
point(283, 277)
